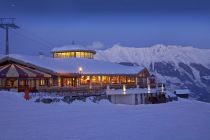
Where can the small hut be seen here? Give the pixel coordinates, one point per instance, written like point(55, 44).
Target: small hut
point(182, 93)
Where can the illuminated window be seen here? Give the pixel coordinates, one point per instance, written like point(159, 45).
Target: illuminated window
point(69, 54)
point(82, 54)
point(86, 55)
point(77, 54)
point(72, 54)
point(22, 82)
point(123, 79)
point(115, 80)
point(85, 80)
point(95, 79)
point(69, 81)
point(105, 79)
point(31, 83)
point(42, 82)
point(131, 79)
point(89, 55)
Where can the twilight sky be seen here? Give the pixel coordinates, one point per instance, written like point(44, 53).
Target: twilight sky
point(134, 23)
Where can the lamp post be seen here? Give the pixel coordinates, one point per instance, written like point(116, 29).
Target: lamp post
point(124, 89)
point(80, 72)
point(148, 85)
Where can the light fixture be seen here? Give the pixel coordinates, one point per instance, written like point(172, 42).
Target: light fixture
point(124, 89)
point(80, 70)
point(148, 88)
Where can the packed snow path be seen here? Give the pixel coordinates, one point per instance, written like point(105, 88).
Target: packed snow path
point(181, 120)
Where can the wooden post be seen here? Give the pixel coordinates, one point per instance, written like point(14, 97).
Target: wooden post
point(90, 82)
point(18, 84)
point(34, 84)
point(137, 85)
point(78, 83)
point(61, 81)
point(110, 80)
point(101, 81)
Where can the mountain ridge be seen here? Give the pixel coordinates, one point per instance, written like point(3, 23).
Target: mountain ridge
point(159, 51)
point(178, 66)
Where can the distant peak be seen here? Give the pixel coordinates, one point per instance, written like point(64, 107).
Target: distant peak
point(162, 46)
point(156, 47)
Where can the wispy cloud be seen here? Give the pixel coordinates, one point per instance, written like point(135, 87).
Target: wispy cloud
point(96, 45)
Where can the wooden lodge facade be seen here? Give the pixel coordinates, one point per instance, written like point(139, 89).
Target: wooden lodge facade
point(56, 74)
point(15, 74)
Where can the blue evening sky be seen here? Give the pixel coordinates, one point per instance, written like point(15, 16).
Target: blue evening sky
point(134, 23)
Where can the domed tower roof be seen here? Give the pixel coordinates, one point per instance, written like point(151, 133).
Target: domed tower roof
point(73, 47)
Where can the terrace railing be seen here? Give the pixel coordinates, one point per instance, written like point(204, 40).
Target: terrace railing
point(81, 90)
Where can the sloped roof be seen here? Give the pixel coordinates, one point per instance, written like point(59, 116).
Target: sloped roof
point(16, 70)
point(71, 65)
point(182, 91)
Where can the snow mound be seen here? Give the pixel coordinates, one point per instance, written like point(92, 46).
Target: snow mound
point(11, 97)
point(181, 120)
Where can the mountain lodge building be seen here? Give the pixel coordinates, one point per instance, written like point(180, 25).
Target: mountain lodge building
point(72, 68)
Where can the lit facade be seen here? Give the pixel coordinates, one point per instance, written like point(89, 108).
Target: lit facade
point(84, 75)
point(74, 53)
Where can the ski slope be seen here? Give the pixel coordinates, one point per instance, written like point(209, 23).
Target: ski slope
point(24, 120)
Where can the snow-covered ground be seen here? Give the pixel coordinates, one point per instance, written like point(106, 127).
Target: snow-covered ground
point(26, 120)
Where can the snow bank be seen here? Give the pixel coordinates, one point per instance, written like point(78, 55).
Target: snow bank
point(11, 97)
point(181, 120)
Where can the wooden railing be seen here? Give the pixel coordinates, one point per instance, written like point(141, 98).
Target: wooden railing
point(73, 90)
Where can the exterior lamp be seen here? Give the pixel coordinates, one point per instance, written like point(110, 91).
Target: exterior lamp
point(124, 89)
point(80, 70)
point(148, 88)
point(148, 85)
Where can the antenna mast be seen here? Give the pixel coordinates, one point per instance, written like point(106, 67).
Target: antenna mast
point(7, 23)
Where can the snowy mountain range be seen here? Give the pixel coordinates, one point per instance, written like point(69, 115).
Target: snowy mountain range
point(177, 66)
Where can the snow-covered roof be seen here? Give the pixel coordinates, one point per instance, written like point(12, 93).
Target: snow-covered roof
point(71, 65)
point(182, 91)
point(170, 94)
point(70, 48)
